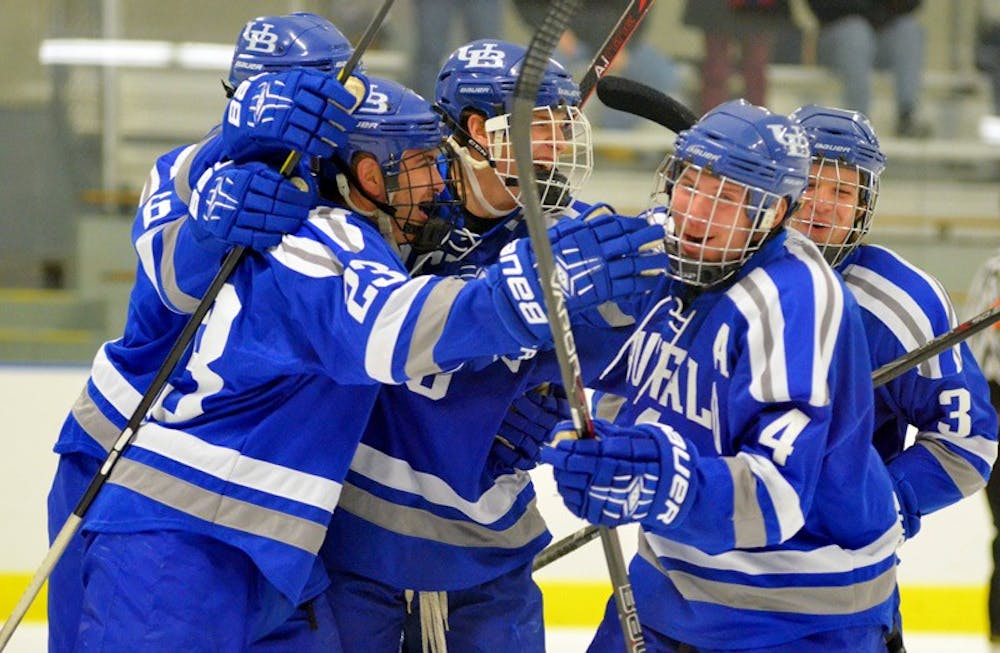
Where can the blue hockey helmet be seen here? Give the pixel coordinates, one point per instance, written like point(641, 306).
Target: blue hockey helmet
point(481, 75)
point(403, 133)
point(755, 159)
point(847, 162)
point(271, 44)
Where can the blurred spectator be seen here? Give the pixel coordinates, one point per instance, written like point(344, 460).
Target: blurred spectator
point(481, 19)
point(750, 24)
point(984, 291)
point(988, 46)
point(594, 20)
point(858, 35)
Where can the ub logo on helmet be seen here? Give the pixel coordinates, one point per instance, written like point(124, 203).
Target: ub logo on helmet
point(260, 38)
point(482, 55)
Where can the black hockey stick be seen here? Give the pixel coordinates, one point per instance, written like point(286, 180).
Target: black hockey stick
point(932, 348)
point(73, 522)
point(533, 68)
point(646, 102)
point(619, 36)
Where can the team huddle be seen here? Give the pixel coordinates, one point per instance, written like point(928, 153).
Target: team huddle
point(340, 460)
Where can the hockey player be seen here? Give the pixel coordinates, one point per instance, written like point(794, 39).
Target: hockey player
point(945, 398)
point(226, 492)
point(743, 446)
point(431, 488)
point(123, 368)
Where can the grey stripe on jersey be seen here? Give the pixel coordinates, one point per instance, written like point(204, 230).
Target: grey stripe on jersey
point(756, 297)
point(608, 406)
point(801, 599)
point(216, 508)
point(183, 301)
point(430, 325)
point(93, 421)
point(416, 522)
point(748, 520)
point(959, 470)
point(614, 315)
point(863, 287)
point(829, 310)
point(309, 257)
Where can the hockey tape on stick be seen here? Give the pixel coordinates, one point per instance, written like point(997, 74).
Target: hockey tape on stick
point(72, 525)
point(619, 36)
point(528, 81)
point(646, 102)
point(566, 545)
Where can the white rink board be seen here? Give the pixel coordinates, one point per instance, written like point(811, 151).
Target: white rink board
point(952, 548)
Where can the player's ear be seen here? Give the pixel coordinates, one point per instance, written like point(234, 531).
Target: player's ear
point(475, 124)
point(369, 175)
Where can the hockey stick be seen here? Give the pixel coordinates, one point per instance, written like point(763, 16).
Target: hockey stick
point(73, 522)
point(619, 36)
point(646, 102)
point(528, 81)
point(932, 348)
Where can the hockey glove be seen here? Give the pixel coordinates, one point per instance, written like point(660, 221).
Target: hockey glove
point(640, 473)
point(909, 512)
point(302, 110)
point(597, 260)
point(248, 204)
point(526, 427)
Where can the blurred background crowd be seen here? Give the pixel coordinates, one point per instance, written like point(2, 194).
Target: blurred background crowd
point(93, 90)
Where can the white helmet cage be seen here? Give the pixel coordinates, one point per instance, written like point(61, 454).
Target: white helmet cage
point(705, 249)
point(829, 192)
point(562, 154)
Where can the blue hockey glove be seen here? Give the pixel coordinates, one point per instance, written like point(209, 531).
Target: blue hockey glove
point(303, 110)
point(249, 204)
point(909, 512)
point(601, 259)
point(526, 427)
point(640, 473)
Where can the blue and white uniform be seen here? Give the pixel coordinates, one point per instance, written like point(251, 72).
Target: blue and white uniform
point(792, 530)
point(946, 397)
point(421, 498)
point(298, 338)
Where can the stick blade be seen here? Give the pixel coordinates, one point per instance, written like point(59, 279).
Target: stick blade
point(646, 102)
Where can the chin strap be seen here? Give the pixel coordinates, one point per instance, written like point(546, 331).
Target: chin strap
point(433, 608)
point(470, 168)
point(383, 215)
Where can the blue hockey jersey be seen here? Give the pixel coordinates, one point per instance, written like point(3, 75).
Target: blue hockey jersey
point(792, 526)
point(946, 398)
point(254, 436)
point(419, 492)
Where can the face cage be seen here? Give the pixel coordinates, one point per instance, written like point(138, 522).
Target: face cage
point(424, 188)
point(705, 250)
point(562, 152)
point(833, 240)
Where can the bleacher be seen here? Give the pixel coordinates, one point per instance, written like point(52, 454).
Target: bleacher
point(159, 109)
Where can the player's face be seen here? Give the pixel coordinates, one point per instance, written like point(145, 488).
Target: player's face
point(830, 203)
point(549, 129)
point(418, 182)
point(709, 216)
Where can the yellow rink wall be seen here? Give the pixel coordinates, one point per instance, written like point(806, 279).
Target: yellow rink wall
point(580, 604)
